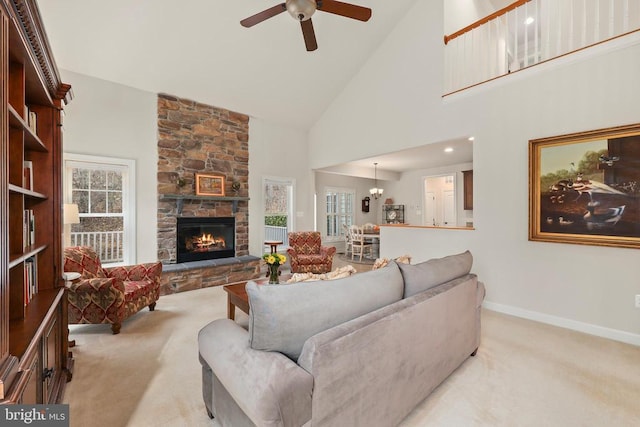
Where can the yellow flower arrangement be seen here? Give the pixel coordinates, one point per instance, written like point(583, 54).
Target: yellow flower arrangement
point(274, 259)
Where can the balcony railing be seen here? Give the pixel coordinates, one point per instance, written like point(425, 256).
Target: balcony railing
point(276, 233)
point(107, 244)
point(529, 32)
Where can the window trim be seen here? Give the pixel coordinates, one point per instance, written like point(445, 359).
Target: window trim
point(345, 190)
point(291, 218)
point(129, 250)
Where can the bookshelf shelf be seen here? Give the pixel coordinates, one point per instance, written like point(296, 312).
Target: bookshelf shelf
point(17, 259)
point(31, 140)
point(25, 192)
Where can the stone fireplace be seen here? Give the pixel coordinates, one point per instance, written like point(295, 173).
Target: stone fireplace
point(197, 138)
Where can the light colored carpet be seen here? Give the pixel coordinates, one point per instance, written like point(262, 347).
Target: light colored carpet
point(525, 374)
point(346, 259)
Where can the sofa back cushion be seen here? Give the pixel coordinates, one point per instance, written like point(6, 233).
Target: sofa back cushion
point(283, 317)
point(425, 275)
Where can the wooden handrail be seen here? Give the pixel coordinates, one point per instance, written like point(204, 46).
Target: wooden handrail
point(484, 20)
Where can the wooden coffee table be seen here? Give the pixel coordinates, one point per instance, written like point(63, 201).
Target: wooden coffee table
point(237, 295)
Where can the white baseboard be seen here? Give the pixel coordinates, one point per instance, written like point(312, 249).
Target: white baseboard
point(587, 328)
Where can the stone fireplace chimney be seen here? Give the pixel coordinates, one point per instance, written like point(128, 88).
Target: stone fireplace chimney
point(198, 138)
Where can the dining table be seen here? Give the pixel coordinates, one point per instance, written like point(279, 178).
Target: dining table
point(374, 238)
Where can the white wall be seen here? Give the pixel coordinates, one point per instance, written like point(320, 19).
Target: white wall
point(277, 151)
point(108, 119)
point(575, 284)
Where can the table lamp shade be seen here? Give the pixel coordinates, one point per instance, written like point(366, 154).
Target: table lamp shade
point(71, 214)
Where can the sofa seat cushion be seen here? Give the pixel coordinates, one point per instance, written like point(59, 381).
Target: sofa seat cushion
point(283, 317)
point(426, 275)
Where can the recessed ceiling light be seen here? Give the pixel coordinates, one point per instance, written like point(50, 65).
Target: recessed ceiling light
point(471, 138)
point(529, 20)
point(448, 150)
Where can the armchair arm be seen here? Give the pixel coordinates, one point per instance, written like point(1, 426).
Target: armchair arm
point(98, 300)
point(98, 284)
point(269, 387)
point(327, 251)
point(135, 273)
point(293, 258)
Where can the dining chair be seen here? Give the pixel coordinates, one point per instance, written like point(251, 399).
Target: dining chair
point(347, 239)
point(359, 245)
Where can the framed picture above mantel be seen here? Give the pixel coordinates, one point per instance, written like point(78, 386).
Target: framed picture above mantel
point(209, 185)
point(584, 188)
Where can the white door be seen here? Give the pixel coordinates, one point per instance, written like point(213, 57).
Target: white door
point(449, 208)
point(430, 208)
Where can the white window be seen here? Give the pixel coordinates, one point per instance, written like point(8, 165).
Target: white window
point(104, 190)
point(278, 208)
point(340, 211)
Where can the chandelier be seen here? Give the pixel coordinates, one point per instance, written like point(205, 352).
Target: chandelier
point(376, 192)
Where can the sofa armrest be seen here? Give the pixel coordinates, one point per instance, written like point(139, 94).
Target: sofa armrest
point(270, 388)
point(482, 292)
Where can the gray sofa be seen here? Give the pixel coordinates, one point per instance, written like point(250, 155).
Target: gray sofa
point(358, 351)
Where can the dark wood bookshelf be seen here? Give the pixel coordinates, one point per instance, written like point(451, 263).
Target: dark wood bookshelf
point(34, 358)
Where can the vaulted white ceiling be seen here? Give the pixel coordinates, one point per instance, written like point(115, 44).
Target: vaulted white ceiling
point(197, 49)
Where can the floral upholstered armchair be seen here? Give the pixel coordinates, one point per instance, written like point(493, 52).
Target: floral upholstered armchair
point(306, 253)
point(108, 295)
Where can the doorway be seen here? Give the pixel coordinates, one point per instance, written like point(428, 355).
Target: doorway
point(278, 209)
point(439, 201)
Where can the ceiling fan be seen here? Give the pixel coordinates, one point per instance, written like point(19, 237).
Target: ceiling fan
point(302, 10)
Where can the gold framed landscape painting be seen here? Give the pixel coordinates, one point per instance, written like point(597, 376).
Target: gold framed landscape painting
point(209, 185)
point(584, 188)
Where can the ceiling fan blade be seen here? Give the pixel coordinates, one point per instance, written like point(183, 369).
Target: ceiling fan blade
point(345, 9)
point(309, 35)
point(264, 15)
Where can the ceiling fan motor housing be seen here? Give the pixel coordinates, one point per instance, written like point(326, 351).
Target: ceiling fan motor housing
point(301, 10)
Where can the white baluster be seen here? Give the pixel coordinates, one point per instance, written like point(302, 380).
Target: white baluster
point(611, 18)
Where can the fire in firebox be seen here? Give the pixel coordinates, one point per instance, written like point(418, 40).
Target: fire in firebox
point(205, 243)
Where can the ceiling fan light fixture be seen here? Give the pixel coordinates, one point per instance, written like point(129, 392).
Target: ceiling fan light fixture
point(301, 10)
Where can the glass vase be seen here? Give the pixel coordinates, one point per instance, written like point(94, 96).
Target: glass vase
point(273, 274)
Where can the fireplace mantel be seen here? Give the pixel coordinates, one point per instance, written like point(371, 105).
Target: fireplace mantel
point(180, 198)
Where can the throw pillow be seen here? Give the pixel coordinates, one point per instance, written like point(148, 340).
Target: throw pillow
point(426, 275)
point(283, 317)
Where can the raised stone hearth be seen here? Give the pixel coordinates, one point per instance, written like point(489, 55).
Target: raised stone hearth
point(188, 276)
